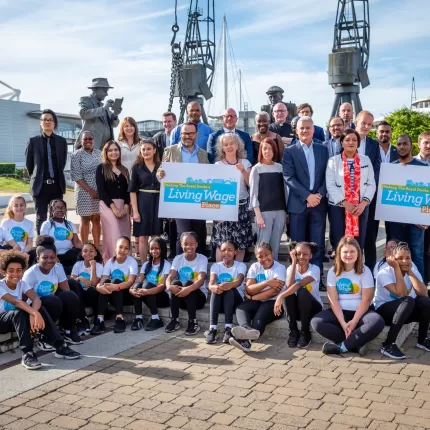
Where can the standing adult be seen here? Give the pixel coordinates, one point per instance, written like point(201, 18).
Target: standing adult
point(187, 151)
point(194, 113)
point(262, 122)
point(112, 186)
point(128, 140)
point(83, 167)
point(229, 122)
point(369, 147)
point(45, 160)
point(97, 117)
point(304, 166)
point(336, 127)
point(305, 109)
point(346, 112)
point(280, 125)
point(162, 138)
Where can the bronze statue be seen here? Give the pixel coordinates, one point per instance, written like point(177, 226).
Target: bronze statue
point(276, 94)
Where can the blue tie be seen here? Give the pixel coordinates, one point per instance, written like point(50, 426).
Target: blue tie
point(50, 166)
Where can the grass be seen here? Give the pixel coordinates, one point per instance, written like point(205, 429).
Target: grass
point(12, 185)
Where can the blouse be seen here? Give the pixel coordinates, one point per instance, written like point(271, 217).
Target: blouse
point(128, 156)
point(109, 190)
point(83, 166)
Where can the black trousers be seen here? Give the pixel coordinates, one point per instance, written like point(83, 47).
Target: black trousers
point(87, 297)
point(194, 301)
point(172, 232)
point(196, 225)
point(404, 311)
point(68, 259)
point(256, 314)
point(301, 307)
point(154, 301)
point(225, 303)
point(371, 236)
point(41, 202)
point(368, 328)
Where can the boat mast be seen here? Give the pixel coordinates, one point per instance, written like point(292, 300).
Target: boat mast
point(224, 37)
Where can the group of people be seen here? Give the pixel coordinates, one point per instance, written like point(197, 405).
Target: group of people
point(288, 177)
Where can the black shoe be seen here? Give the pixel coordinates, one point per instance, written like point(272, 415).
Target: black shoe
point(83, 327)
point(137, 324)
point(192, 329)
point(331, 348)
point(243, 344)
point(172, 326)
point(154, 324)
point(326, 259)
point(72, 338)
point(293, 338)
point(65, 352)
point(98, 327)
point(304, 340)
point(211, 259)
point(171, 256)
point(211, 336)
point(425, 344)
point(322, 287)
point(119, 326)
point(227, 335)
point(30, 361)
point(392, 351)
point(44, 345)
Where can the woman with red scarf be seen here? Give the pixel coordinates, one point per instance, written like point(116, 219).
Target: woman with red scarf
point(351, 186)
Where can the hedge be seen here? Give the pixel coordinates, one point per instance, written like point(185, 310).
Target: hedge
point(7, 168)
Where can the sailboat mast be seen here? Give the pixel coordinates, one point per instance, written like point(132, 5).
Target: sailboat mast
point(240, 90)
point(224, 37)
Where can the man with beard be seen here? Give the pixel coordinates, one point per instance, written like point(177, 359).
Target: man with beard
point(387, 150)
point(336, 127)
point(347, 114)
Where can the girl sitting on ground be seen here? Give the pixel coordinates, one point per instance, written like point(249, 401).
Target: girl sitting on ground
point(227, 287)
point(119, 274)
point(187, 284)
point(302, 297)
point(150, 287)
point(264, 281)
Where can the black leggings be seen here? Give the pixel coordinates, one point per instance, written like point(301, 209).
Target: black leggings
point(368, 328)
point(153, 301)
point(116, 298)
point(88, 297)
point(225, 303)
point(194, 301)
point(68, 259)
point(403, 311)
point(302, 306)
point(260, 313)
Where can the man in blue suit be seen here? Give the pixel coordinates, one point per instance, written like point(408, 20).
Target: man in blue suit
point(229, 121)
point(369, 147)
point(305, 109)
point(304, 171)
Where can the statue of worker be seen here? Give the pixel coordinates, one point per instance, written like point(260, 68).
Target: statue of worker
point(276, 94)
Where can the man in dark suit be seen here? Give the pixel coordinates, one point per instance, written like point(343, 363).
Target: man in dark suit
point(305, 109)
point(46, 157)
point(369, 147)
point(304, 171)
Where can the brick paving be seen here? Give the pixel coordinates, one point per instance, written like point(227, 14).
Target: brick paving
point(182, 383)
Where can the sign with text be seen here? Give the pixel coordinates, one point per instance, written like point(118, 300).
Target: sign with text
point(199, 191)
point(404, 194)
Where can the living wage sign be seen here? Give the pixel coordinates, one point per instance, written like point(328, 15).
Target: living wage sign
point(404, 194)
point(199, 191)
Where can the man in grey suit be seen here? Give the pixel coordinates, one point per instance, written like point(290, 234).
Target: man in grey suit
point(97, 117)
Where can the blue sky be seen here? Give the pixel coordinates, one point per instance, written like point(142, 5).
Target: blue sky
point(51, 50)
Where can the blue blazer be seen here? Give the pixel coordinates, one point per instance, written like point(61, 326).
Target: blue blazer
point(319, 133)
point(296, 175)
point(244, 136)
point(372, 151)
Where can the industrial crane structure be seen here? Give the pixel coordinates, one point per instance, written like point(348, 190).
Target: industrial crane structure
point(349, 60)
point(11, 95)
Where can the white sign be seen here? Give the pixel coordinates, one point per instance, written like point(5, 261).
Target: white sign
point(200, 191)
point(404, 194)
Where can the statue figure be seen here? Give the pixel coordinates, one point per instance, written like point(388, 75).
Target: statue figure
point(97, 117)
point(276, 94)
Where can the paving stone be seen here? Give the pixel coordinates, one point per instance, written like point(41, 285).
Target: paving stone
point(6, 419)
point(350, 420)
point(246, 423)
point(21, 424)
point(68, 422)
point(145, 425)
point(224, 419)
point(44, 417)
point(23, 412)
point(197, 425)
point(355, 411)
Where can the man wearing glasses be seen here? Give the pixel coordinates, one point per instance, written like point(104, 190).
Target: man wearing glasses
point(336, 127)
point(280, 125)
point(46, 157)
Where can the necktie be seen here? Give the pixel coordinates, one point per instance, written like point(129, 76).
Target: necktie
point(50, 166)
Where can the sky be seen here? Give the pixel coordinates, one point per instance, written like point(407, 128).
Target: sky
point(51, 51)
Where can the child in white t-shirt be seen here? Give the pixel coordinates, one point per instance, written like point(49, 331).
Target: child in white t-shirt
point(5, 236)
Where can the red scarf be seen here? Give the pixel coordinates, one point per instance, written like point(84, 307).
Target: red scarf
point(351, 195)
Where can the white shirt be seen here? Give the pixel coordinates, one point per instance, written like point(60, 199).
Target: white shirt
point(313, 287)
point(121, 271)
point(19, 230)
point(260, 274)
point(362, 148)
point(79, 269)
point(189, 270)
point(21, 288)
point(349, 286)
point(128, 156)
point(62, 234)
point(226, 130)
point(153, 277)
point(387, 276)
point(44, 285)
point(385, 157)
point(5, 236)
point(243, 189)
point(230, 274)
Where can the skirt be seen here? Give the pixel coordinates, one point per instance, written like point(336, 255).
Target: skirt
point(112, 227)
point(150, 224)
point(240, 232)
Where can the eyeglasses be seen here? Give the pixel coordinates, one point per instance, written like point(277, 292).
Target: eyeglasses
point(191, 134)
point(229, 116)
point(46, 120)
point(336, 125)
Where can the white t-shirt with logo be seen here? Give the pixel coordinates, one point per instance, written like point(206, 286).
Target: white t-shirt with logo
point(79, 269)
point(21, 288)
point(313, 287)
point(230, 274)
point(5, 236)
point(44, 285)
point(152, 275)
point(19, 230)
point(189, 270)
point(387, 276)
point(115, 270)
point(260, 274)
point(62, 234)
point(349, 286)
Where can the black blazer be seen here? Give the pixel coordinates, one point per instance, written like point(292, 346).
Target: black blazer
point(34, 161)
point(394, 155)
point(372, 151)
